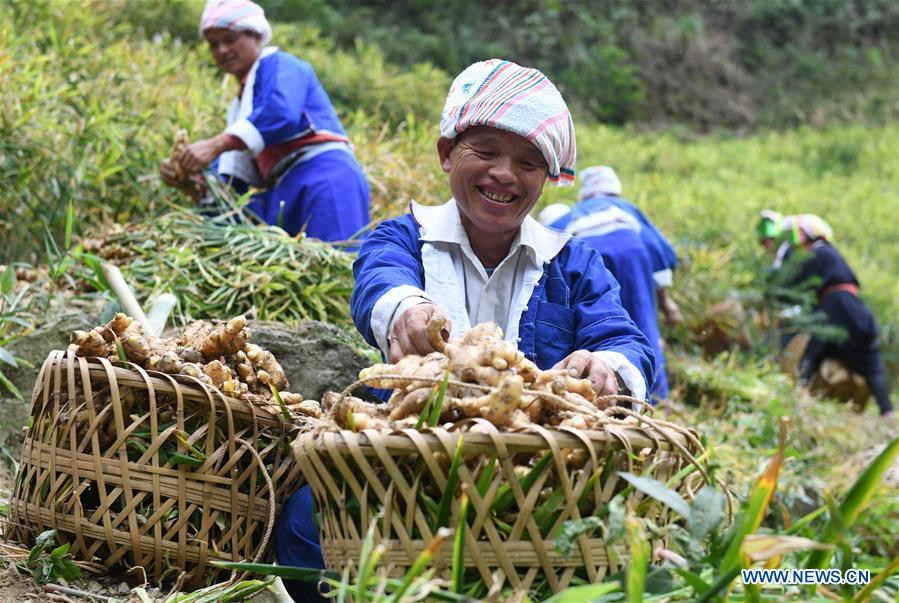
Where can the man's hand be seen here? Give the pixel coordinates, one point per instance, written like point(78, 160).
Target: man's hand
point(583, 364)
point(192, 187)
point(169, 174)
point(201, 153)
point(669, 307)
point(410, 335)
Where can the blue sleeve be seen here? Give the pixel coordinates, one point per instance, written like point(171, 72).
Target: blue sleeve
point(601, 323)
point(389, 257)
point(279, 95)
point(661, 252)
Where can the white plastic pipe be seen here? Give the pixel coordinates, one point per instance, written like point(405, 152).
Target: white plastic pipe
point(159, 313)
point(126, 296)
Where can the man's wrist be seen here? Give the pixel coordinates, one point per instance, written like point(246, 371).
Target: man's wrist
point(228, 142)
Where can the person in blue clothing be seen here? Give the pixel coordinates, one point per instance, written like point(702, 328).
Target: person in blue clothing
point(283, 134)
point(632, 248)
point(505, 130)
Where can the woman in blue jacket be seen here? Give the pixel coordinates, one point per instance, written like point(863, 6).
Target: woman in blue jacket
point(283, 134)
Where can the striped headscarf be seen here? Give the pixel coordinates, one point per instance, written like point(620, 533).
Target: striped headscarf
point(597, 181)
point(521, 100)
point(236, 15)
point(796, 229)
point(805, 228)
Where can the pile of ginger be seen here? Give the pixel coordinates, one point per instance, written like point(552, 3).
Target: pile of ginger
point(220, 356)
point(488, 378)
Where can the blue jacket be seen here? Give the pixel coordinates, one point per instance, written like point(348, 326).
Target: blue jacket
point(575, 304)
point(288, 102)
point(661, 253)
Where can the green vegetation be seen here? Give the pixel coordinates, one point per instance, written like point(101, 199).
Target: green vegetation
point(770, 63)
point(91, 99)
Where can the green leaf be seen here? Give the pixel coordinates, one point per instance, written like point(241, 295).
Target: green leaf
point(449, 493)
point(10, 386)
point(458, 569)
point(70, 219)
point(719, 585)
point(486, 476)
point(43, 540)
point(639, 561)
point(8, 358)
point(890, 570)
point(571, 529)
point(178, 458)
point(60, 551)
point(706, 512)
point(658, 491)
point(617, 516)
point(285, 412)
point(66, 569)
point(854, 502)
point(580, 594)
point(8, 280)
point(694, 580)
point(504, 495)
point(303, 574)
point(437, 407)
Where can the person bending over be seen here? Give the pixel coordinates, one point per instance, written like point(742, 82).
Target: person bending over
point(283, 134)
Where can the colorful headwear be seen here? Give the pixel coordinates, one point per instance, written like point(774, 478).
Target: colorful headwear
point(552, 212)
point(805, 228)
point(236, 15)
point(521, 100)
point(597, 181)
point(768, 226)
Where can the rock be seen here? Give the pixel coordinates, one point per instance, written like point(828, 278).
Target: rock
point(316, 356)
point(34, 349)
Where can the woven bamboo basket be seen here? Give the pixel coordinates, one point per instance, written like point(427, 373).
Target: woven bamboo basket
point(381, 479)
point(139, 468)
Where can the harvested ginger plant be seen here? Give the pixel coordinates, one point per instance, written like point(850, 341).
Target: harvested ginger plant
point(507, 454)
point(220, 356)
point(151, 465)
point(486, 376)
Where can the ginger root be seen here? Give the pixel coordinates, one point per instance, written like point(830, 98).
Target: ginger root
point(178, 145)
point(226, 339)
point(436, 330)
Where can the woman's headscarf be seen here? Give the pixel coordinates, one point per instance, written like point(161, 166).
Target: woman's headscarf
point(597, 181)
point(236, 15)
point(521, 100)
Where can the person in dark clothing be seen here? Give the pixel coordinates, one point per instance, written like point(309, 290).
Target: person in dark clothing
point(837, 288)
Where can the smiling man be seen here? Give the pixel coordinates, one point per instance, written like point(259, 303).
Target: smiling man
point(505, 130)
point(480, 257)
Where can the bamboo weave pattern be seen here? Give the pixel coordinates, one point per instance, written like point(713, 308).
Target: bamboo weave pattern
point(140, 468)
point(392, 479)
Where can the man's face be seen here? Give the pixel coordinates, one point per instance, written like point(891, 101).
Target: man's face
point(496, 178)
point(234, 51)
